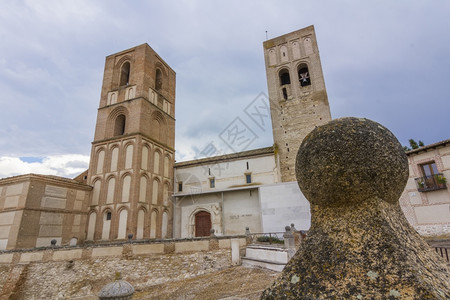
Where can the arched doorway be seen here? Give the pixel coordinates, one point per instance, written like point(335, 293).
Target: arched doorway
point(202, 223)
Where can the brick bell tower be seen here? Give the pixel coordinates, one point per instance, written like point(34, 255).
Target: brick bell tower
point(298, 98)
point(133, 149)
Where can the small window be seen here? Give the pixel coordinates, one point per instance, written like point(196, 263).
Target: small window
point(108, 215)
point(180, 186)
point(303, 76)
point(212, 182)
point(247, 166)
point(429, 169)
point(248, 178)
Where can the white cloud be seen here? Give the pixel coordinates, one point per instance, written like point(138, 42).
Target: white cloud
point(68, 165)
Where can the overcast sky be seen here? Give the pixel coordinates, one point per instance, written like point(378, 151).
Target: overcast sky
point(388, 61)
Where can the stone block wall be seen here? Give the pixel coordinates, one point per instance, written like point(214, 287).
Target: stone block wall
point(80, 272)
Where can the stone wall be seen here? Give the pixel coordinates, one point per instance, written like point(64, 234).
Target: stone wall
point(80, 272)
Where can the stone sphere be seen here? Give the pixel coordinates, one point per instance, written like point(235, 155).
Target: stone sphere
point(350, 160)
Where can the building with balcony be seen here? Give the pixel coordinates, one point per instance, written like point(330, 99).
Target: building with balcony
point(426, 198)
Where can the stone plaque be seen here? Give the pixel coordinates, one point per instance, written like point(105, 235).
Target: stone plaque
point(53, 202)
point(55, 191)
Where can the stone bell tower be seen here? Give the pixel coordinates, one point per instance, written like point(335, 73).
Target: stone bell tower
point(298, 98)
point(133, 149)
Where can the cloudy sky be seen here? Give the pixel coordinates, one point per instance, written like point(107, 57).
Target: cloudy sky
point(384, 60)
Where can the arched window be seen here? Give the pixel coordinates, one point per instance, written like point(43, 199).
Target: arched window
point(100, 160)
point(156, 158)
point(129, 156)
point(110, 192)
point(107, 216)
point(284, 77)
point(155, 191)
point(125, 74)
point(272, 57)
point(144, 158)
point(140, 224)
point(143, 189)
point(166, 194)
point(122, 232)
point(153, 223)
point(96, 192)
point(158, 80)
point(165, 223)
point(114, 159)
point(303, 75)
point(126, 184)
point(119, 125)
point(91, 226)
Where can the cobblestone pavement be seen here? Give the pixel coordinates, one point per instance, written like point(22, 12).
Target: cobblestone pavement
point(232, 283)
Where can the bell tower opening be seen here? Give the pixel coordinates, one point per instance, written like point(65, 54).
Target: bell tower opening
point(158, 80)
point(125, 74)
point(303, 75)
point(284, 77)
point(119, 125)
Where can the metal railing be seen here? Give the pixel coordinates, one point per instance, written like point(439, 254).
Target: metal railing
point(443, 252)
point(265, 238)
point(431, 182)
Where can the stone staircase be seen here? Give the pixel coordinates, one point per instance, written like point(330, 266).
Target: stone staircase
point(265, 256)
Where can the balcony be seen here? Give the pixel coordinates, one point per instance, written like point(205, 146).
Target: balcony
point(431, 183)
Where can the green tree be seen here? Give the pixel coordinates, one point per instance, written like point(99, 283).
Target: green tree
point(413, 144)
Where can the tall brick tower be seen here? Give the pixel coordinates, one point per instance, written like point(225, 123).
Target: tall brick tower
point(133, 149)
point(298, 99)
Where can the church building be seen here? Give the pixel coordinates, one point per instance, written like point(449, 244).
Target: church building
point(134, 189)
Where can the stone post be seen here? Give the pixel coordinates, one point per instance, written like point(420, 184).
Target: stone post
point(297, 236)
point(235, 252)
point(248, 238)
point(289, 243)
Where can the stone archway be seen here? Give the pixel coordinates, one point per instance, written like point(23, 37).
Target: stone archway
point(202, 223)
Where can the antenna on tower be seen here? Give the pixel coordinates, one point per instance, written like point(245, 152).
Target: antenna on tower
point(266, 36)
